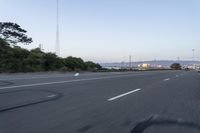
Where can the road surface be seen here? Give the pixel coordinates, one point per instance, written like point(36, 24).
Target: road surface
point(99, 102)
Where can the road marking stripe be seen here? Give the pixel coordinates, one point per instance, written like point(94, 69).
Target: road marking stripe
point(53, 95)
point(63, 76)
point(166, 79)
point(122, 95)
point(61, 82)
point(37, 77)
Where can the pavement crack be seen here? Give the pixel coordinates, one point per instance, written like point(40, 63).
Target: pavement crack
point(53, 96)
point(5, 83)
point(85, 128)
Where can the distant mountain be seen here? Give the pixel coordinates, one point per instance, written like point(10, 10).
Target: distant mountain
point(164, 63)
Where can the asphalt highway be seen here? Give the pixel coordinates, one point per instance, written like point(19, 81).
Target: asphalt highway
point(125, 102)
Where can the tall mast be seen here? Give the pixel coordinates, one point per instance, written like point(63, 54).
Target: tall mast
point(57, 50)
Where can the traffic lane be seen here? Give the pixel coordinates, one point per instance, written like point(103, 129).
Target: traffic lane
point(4, 84)
point(96, 89)
point(62, 128)
point(56, 114)
point(100, 89)
point(32, 76)
point(96, 84)
point(176, 99)
point(164, 99)
point(18, 76)
point(27, 79)
point(35, 75)
point(181, 105)
point(108, 88)
point(25, 76)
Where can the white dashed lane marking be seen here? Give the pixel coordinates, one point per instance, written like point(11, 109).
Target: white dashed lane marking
point(167, 79)
point(50, 96)
point(124, 94)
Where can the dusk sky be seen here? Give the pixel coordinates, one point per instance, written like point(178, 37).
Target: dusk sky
point(111, 30)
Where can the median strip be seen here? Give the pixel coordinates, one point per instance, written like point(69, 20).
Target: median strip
point(124, 94)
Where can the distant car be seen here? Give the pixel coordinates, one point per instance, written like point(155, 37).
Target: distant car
point(198, 70)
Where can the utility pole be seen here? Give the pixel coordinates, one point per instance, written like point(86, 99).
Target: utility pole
point(130, 62)
point(57, 49)
point(126, 62)
point(178, 59)
point(193, 58)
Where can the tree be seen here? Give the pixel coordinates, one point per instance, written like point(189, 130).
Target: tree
point(92, 66)
point(12, 59)
point(16, 59)
point(74, 63)
point(176, 66)
point(52, 62)
point(35, 59)
point(13, 33)
point(4, 49)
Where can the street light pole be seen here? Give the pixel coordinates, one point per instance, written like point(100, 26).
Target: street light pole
point(130, 65)
point(193, 58)
point(178, 59)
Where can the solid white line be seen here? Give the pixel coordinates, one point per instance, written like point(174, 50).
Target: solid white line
point(119, 96)
point(166, 79)
point(38, 77)
point(70, 75)
point(61, 82)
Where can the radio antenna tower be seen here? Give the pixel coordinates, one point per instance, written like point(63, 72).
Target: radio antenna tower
point(57, 50)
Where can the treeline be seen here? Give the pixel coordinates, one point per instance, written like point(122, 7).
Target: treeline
point(16, 59)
